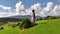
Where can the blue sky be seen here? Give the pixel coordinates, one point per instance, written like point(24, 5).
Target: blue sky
point(27, 3)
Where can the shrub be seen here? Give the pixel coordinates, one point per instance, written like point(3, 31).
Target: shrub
point(1, 28)
point(13, 25)
point(18, 24)
point(39, 19)
point(8, 24)
point(26, 23)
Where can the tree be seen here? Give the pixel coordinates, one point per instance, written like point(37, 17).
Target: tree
point(26, 23)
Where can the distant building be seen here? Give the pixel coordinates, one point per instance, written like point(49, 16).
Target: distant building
point(51, 17)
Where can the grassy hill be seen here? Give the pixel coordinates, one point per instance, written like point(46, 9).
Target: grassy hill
point(42, 27)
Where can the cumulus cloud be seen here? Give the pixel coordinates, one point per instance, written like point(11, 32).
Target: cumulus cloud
point(50, 9)
point(41, 12)
point(19, 8)
point(45, 11)
point(3, 14)
point(36, 7)
point(55, 11)
point(28, 11)
point(18, 11)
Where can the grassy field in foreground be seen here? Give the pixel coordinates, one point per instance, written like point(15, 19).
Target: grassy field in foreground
point(42, 27)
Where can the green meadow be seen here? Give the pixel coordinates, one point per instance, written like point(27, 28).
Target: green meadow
point(42, 27)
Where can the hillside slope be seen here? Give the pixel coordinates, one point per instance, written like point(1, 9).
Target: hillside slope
point(42, 27)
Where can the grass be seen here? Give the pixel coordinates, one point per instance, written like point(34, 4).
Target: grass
point(42, 27)
point(9, 30)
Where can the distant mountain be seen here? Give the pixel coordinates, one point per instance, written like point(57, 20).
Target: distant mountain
point(15, 18)
point(23, 16)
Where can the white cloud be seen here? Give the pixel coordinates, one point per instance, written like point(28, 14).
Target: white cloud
point(5, 7)
point(19, 8)
point(37, 8)
point(55, 11)
point(41, 12)
point(28, 11)
point(3, 14)
point(45, 11)
point(50, 9)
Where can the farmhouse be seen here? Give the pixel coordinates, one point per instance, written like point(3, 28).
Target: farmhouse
point(51, 17)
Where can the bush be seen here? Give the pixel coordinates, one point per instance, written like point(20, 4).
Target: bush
point(13, 25)
point(26, 23)
point(8, 24)
point(1, 28)
point(18, 24)
point(39, 19)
